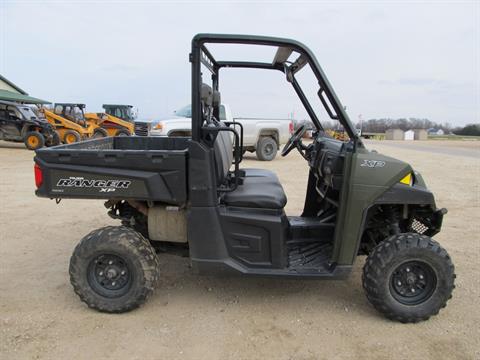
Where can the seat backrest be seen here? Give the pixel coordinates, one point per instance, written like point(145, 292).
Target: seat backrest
point(206, 99)
point(223, 151)
point(223, 146)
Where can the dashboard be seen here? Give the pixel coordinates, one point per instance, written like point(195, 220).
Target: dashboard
point(326, 159)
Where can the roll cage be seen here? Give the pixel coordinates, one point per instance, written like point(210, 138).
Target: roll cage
point(201, 55)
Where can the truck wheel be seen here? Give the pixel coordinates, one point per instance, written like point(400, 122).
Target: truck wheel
point(99, 133)
point(55, 140)
point(114, 269)
point(34, 140)
point(408, 277)
point(122, 132)
point(71, 136)
point(266, 149)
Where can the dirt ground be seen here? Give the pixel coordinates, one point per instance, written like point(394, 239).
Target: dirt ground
point(197, 317)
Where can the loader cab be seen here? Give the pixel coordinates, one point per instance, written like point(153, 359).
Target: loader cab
point(124, 112)
point(71, 111)
point(245, 207)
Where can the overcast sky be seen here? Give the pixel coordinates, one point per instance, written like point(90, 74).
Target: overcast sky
point(384, 59)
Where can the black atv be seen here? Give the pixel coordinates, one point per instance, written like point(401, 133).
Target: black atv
point(19, 123)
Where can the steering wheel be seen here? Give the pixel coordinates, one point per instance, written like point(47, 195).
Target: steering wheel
point(295, 141)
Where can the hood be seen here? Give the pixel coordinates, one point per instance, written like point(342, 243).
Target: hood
point(154, 121)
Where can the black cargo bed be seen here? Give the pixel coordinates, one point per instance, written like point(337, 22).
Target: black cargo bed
point(140, 168)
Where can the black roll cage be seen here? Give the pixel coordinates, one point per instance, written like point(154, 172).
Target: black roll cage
point(201, 55)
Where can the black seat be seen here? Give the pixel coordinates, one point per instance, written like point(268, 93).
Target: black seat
point(257, 192)
point(258, 188)
point(249, 172)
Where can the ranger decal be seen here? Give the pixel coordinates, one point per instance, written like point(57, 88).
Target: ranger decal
point(80, 182)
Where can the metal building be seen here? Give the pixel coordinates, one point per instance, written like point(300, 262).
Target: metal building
point(394, 134)
point(420, 134)
point(11, 92)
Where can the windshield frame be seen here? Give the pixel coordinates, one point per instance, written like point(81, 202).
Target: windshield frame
point(200, 55)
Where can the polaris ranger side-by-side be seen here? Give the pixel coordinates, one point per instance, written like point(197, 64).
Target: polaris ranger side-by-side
point(191, 195)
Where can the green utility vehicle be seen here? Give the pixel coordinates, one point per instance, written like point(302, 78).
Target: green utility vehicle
point(191, 196)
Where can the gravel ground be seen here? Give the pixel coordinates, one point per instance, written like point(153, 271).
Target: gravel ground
point(197, 317)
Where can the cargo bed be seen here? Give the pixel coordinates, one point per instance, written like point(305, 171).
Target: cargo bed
point(141, 168)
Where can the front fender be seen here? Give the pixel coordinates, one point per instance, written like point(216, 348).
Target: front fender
point(405, 194)
point(373, 179)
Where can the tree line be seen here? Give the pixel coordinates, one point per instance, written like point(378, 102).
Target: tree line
point(383, 124)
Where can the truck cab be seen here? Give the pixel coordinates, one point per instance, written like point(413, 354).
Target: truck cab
point(262, 136)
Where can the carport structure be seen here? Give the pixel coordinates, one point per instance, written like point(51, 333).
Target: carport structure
point(11, 92)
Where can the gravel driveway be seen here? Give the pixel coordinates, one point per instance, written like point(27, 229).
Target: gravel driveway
point(195, 317)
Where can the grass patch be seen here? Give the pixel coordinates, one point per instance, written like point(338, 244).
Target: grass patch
point(453, 137)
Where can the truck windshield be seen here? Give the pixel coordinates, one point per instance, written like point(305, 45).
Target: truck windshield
point(185, 111)
point(223, 113)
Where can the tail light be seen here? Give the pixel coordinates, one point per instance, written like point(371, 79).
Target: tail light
point(290, 127)
point(38, 175)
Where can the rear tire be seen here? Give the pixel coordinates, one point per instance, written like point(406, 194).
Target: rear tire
point(114, 269)
point(122, 132)
point(408, 277)
point(55, 140)
point(266, 149)
point(34, 140)
point(71, 136)
point(99, 133)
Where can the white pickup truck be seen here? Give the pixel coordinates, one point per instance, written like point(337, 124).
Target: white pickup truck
point(262, 136)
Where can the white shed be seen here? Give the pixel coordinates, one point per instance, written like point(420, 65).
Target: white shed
point(409, 135)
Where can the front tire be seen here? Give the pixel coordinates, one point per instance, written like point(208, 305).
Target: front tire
point(71, 136)
point(34, 140)
point(114, 269)
point(408, 277)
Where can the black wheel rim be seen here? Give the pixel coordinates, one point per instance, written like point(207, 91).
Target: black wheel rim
point(109, 275)
point(413, 282)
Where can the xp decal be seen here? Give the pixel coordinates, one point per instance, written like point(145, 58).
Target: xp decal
point(373, 163)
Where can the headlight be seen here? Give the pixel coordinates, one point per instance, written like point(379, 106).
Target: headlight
point(407, 179)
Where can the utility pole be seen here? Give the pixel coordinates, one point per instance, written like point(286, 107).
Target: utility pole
point(360, 120)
